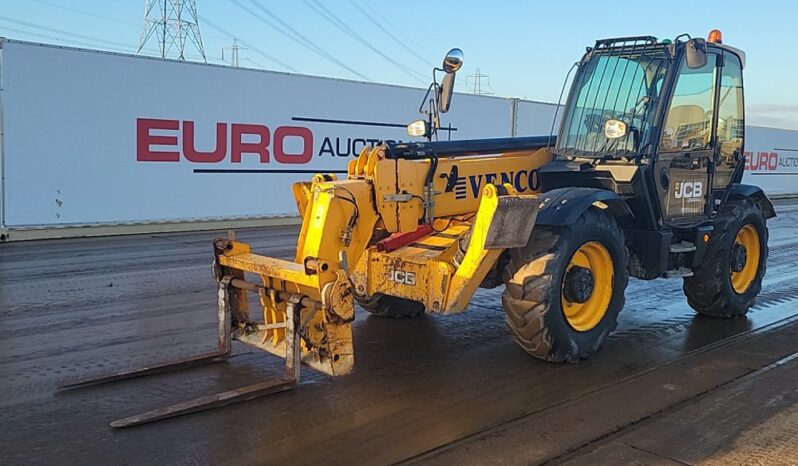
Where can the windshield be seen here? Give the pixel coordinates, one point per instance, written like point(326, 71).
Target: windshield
point(615, 83)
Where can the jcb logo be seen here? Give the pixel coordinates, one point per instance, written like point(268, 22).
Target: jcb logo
point(689, 190)
point(405, 278)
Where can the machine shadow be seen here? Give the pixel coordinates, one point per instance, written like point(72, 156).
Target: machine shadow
point(704, 330)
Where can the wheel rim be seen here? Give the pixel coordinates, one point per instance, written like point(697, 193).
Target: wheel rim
point(582, 312)
point(744, 263)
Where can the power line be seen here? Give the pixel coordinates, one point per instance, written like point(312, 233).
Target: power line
point(119, 21)
point(96, 42)
point(253, 62)
point(252, 47)
point(399, 30)
point(171, 23)
point(62, 40)
point(60, 31)
point(389, 34)
point(106, 18)
point(94, 45)
point(418, 46)
point(291, 33)
point(325, 13)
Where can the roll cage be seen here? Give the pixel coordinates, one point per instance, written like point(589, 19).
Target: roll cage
point(643, 106)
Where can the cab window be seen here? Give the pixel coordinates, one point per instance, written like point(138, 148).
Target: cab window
point(688, 125)
point(731, 125)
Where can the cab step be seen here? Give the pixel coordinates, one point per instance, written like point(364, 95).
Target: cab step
point(679, 273)
point(682, 246)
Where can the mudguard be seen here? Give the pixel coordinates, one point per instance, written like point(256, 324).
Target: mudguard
point(563, 206)
point(738, 190)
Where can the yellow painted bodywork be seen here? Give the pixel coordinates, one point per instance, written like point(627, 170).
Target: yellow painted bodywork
point(342, 220)
point(475, 173)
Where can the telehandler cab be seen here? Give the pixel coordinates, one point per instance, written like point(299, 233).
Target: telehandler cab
point(642, 180)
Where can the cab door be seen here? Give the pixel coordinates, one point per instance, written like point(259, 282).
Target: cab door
point(730, 130)
point(685, 152)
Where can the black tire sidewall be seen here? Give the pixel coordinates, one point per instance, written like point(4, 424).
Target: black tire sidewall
point(555, 320)
point(709, 291)
point(755, 219)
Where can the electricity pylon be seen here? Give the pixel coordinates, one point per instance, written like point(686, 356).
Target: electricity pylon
point(172, 23)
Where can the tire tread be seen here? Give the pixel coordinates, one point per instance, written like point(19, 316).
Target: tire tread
point(529, 289)
point(708, 291)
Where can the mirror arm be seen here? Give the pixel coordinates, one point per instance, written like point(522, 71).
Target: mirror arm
point(424, 100)
point(432, 98)
point(433, 117)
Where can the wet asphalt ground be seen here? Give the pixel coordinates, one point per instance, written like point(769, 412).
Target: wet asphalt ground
point(435, 389)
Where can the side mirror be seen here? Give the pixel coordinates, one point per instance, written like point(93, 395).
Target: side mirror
point(453, 61)
point(696, 53)
point(445, 93)
point(438, 97)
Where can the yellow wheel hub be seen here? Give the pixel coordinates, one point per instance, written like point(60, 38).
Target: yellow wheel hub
point(587, 286)
point(745, 258)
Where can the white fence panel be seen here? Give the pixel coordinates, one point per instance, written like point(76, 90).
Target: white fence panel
point(535, 118)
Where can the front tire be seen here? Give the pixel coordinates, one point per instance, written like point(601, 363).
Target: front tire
point(729, 278)
point(565, 288)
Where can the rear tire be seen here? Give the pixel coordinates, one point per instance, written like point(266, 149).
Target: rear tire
point(712, 290)
point(383, 305)
point(535, 295)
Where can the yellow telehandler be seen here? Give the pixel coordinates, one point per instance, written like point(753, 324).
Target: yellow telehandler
point(642, 179)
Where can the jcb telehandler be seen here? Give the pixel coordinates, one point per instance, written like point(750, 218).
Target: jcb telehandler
point(643, 179)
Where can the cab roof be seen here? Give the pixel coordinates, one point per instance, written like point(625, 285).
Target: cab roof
point(634, 42)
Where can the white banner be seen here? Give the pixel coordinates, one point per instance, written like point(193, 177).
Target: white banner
point(771, 159)
point(104, 138)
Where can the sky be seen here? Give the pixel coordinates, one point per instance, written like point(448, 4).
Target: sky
point(525, 47)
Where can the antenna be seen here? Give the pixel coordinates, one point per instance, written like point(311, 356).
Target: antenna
point(171, 23)
point(477, 78)
point(234, 53)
